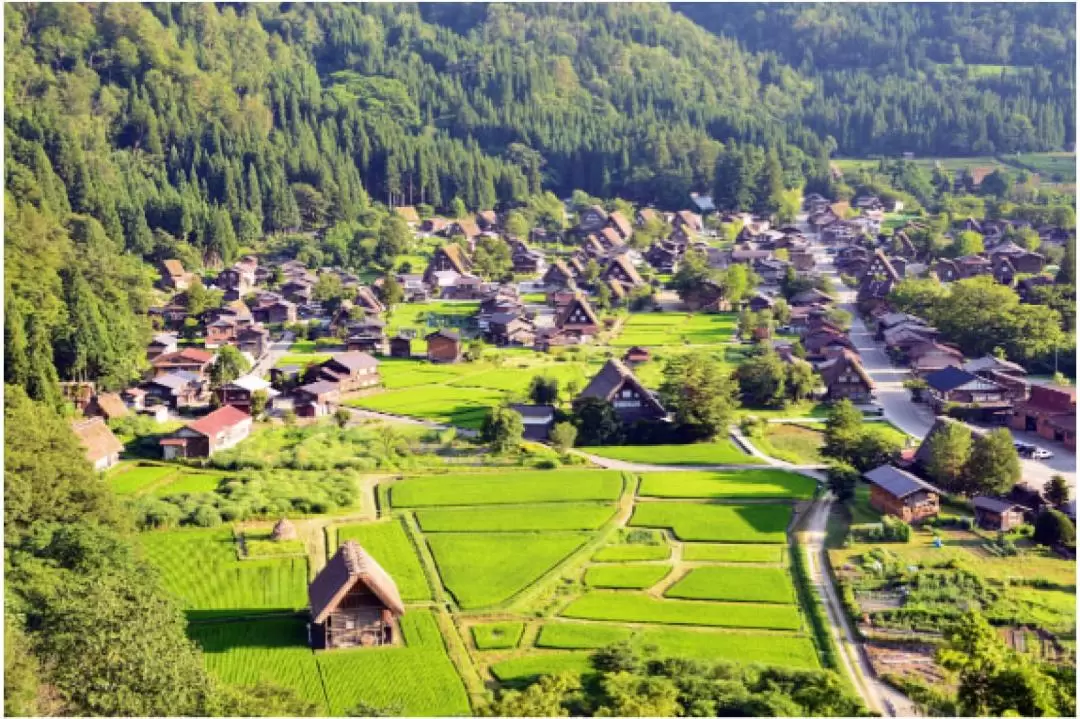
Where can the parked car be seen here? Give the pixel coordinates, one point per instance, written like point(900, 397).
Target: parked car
point(872, 409)
point(1040, 453)
point(1024, 449)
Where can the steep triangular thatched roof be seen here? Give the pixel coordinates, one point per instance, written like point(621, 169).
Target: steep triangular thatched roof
point(283, 531)
point(611, 378)
point(351, 564)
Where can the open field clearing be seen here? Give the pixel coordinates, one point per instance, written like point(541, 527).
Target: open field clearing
point(500, 635)
point(672, 328)
point(418, 678)
point(576, 635)
point(302, 359)
point(389, 544)
point(522, 670)
point(613, 606)
point(626, 576)
point(779, 649)
point(132, 478)
point(461, 406)
point(720, 452)
point(189, 482)
point(753, 523)
point(801, 443)
point(631, 552)
point(425, 317)
point(485, 569)
point(764, 554)
point(510, 487)
point(748, 483)
point(199, 567)
point(535, 517)
point(735, 584)
point(271, 651)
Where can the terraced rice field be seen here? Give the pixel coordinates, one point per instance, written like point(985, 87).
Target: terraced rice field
point(635, 607)
point(777, 648)
point(735, 584)
point(133, 478)
point(510, 487)
point(577, 635)
point(522, 670)
point(752, 523)
point(631, 552)
point(625, 576)
point(200, 568)
point(533, 517)
point(714, 453)
point(481, 570)
point(763, 554)
point(416, 680)
point(747, 483)
point(498, 635)
point(391, 547)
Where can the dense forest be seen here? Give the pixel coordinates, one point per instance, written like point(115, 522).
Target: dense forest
point(929, 78)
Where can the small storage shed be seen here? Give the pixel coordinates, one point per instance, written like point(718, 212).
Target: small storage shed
point(997, 514)
point(354, 602)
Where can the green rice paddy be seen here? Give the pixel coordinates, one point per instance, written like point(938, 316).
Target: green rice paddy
point(720, 452)
point(509, 487)
point(753, 523)
point(631, 552)
point(750, 483)
point(614, 606)
point(522, 670)
point(735, 584)
point(763, 554)
point(625, 576)
point(533, 517)
point(390, 546)
point(577, 635)
point(498, 635)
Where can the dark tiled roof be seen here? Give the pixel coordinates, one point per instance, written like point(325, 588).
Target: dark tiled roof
point(612, 376)
point(992, 504)
point(897, 482)
point(353, 361)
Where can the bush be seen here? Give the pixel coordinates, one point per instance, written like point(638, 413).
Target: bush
point(890, 529)
point(1052, 527)
point(547, 463)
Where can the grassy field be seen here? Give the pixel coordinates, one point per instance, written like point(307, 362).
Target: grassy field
point(485, 569)
point(271, 651)
point(416, 680)
point(459, 406)
point(763, 554)
point(625, 576)
point(735, 584)
point(635, 607)
point(133, 477)
point(302, 359)
point(753, 523)
point(670, 328)
point(391, 547)
point(720, 452)
point(188, 482)
point(1051, 166)
point(631, 552)
point(498, 635)
point(510, 487)
point(199, 567)
point(522, 670)
point(535, 517)
point(425, 317)
point(749, 483)
point(574, 635)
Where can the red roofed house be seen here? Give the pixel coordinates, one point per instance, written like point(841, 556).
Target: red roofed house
point(189, 360)
point(1050, 412)
point(102, 447)
point(354, 602)
point(223, 428)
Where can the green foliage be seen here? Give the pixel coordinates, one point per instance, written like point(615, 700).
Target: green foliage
point(949, 453)
point(993, 467)
point(843, 479)
point(754, 523)
point(699, 393)
point(1056, 491)
point(228, 365)
point(563, 435)
point(1053, 527)
point(596, 422)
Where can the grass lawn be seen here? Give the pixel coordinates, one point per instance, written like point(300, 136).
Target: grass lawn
point(721, 452)
point(190, 482)
point(575, 635)
point(753, 523)
point(403, 373)
point(763, 554)
point(735, 584)
point(509, 487)
point(786, 650)
point(635, 607)
point(427, 316)
point(797, 409)
point(461, 406)
point(625, 576)
point(301, 360)
point(523, 670)
point(485, 569)
point(676, 328)
point(132, 478)
point(535, 517)
point(747, 483)
point(631, 552)
point(271, 651)
point(199, 567)
point(416, 680)
point(498, 635)
point(391, 547)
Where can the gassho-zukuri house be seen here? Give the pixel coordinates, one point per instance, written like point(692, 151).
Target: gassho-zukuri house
point(354, 602)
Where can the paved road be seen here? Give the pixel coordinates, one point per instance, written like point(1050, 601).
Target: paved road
point(914, 418)
point(277, 350)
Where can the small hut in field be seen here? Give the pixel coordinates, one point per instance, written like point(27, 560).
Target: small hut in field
point(284, 531)
point(354, 602)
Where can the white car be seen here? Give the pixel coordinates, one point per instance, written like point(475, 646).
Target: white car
point(1040, 453)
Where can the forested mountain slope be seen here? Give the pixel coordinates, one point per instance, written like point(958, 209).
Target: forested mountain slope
point(931, 78)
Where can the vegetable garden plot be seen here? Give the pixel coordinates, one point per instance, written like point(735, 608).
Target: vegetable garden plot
point(510, 487)
point(720, 452)
point(626, 576)
point(775, 648)
point(533, 517)
point(419, 677)
point(391, 547)
point(764, 554)
point(576, 635)
point(480, 570)
point(271, 651)
point(735, 584)
point(498, 635)
point(638, 607)
point(753, 523)
point(200, 568)
point(745, 483)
